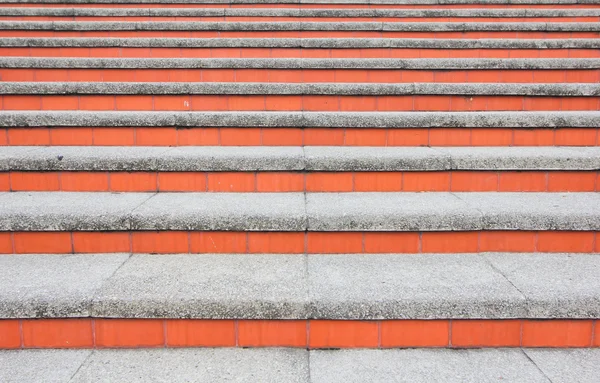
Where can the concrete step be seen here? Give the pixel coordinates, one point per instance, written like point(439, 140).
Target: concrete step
point(300, 366)
point(312, 169)
point(277, 14)
point(298, 97)
point(296, 70)
point(297, 29)
point(297, 47)
point(493, 286)
point(300, 128)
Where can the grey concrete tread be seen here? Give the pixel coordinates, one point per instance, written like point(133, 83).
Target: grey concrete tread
point(308, 158)
point(443, 211)
point(296, 286)
point(165, 42)
point(300, 366)
point(291, 12)
point(394, 120)
point(298, 26)
point(301, 63)
point(341, 89)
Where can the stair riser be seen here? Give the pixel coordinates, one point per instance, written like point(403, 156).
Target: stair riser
point(195, 242)
point(312, 334)
point(458, 181)
point(306, 34)
point(590, 19)
point(294, 137)
point(300, 75)
point(296, 103)
point(296, 53)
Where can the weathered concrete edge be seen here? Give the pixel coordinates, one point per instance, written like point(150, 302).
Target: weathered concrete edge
point(299, 63)
point(329, 159)
point(248, 306)
point(388, 2)
point(396, 120)
point(337, 43)
point(362, 89)
point(291, 12)
point(298, 26)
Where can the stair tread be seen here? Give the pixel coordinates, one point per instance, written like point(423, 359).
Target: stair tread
point(298, 119)
point(300, 366)
point(377, 211)
point(307, 158)
point(294, 286)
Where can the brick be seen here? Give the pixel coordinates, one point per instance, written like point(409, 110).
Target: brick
point(522, 181)
point(10, 337)
point(26, 136)
point(198, 136)
point(4, 181)
point(134, 102)
point(71, 136)
point(279, 182)
point(468, 103)
point(414, 333)
point(251, 75)
point(42, 242)
point(417, 76)
point(84, 181)
point(320, 137)
point(329, 182)
point(155, 136)
point(60, 103)
point(240, 136)
point(34, 181)
point(209, 102)
point(87, 75)
point(200, 333)
point(218, 242)
point(449, 242)
point(22, 102)
point(273, 102)
point(285, 75)
point(246, 102)
point(365, 137)
point(579, 103)
point(182, 181)
point(469, 181)
point(449, 137)
point(57, 333)
point(318, 75)
point(321, 103)
point(101, 242)
point(135, 181)
point(358, 103)
point(6, 246)
point(486, 333)
point(571, 181)
point(172, 102)
point(510, 241)
point(160, 242)
point(491, 137)
point(151, 75)
point(276, 242)
point(426, 181)
point(334, 243)
point(557, 333)
point(565, 241)
point(378, 181)
point(542, 103)
point(575, 137)
point(391, 242)
point(130, 333)
point(395, 103)
point(272, 333)
point(432, 103)
point(282, 137)
point(533, 137)
point(342, 334)
point(218, 75)
point(231, 182)
point(408, 137)
point(114, 136)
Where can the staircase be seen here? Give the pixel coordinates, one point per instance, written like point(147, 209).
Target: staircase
point(308, 191)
